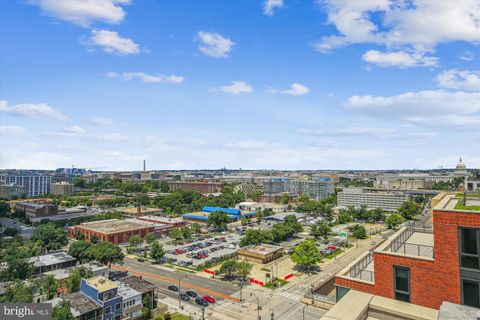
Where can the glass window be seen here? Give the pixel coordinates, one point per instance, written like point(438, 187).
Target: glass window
point(341, 291)
point(470, 294)
point(469, 262)
point(118, 306)
point(402, 283)
point(108, 310)
point(469, 241)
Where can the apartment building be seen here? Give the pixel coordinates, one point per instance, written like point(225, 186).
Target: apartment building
point(316, 189)
point(61, 188)
point(202, 187)
point(357, 197)
point(34, 184)
point(424, 264)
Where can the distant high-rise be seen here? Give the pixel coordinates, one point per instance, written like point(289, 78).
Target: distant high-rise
point(35, 184)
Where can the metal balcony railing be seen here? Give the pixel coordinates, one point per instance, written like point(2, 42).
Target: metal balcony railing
point(358, 269)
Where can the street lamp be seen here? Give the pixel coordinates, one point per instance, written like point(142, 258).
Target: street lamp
point(259, 307)
point(179, 292)
point(303, 311)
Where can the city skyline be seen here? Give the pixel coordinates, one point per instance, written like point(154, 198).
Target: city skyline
point(251, 84)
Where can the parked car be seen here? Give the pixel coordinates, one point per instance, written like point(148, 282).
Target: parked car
point(173, 287)
point(201, 302)
point(184, 297)
point(141, 260)
point(209, 299)
point(191, 293)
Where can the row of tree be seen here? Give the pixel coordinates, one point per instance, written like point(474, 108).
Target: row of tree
point(279, 232)
point(103, 252)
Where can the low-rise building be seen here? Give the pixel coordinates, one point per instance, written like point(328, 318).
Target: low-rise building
point(257, 206)
point(202, 187)
point(52, 261)
point(139, 212)
point(472, 184)
point(262, 253)
point(357, 197)
point(37, 210)
point(61, 188)
point(105, 293)
point(118, 231)
point(169, 223)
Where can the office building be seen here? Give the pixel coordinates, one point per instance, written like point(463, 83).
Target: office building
point(202, 187)
point(357, 197)
point(52, 261)
point(424, 264)
point(11, 191)
point(316, 189)
point(262, 253)
point(34, 184)
point(139, 212)
point(61, 188)
point(472, 184)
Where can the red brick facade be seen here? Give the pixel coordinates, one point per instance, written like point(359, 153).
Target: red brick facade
point(431, 281)
point(119, 237)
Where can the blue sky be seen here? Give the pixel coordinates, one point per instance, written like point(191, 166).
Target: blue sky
point(275, 84)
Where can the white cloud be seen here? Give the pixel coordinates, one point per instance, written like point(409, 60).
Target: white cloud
point(416, 26)
point(398, 59)
point(84, 12)
point(74, 130)
point(214, 45)
point(467, 56)
point(13, 131)
point(115, 137)
point(296, 89)
point(459, 79)
point(111, 42)
point(429, 107)
point(378, 133)
point(102, 121)
point(31, 110)
point(147, 78)
point(237, 87)
point(270, 5)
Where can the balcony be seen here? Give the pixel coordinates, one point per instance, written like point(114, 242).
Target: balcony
point(363, 269)
point(415, 240)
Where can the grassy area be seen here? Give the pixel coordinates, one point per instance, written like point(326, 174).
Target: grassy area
point(175, 316)
point(265, 269)
point(277, 283)
point(332, 255)
point(462, 207)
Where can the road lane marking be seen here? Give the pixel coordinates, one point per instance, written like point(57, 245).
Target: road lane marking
point(170, 280)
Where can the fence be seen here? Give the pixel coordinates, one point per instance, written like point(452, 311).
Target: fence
point(358, 270)
point(399, 243)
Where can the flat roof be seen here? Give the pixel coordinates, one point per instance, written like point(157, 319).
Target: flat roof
point(448, 201)
point(51, 259)
point(100, 283)
point(115, 225)
point(137, 284)
point(142, 210)
point(262, 249)
point(126, 291)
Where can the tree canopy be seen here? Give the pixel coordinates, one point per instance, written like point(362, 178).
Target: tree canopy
point(306, 254)
point(50, 236)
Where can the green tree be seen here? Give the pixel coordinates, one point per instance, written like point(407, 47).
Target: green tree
point(150, 238)
point(320, 230)
point(17, 266)
point(409, 210)
point(377, 215)
point(218, 219)
point(94, 239)
point(79, 250)
point(306, 255)
point(244, 221)
point(284, 198)
point(196, 228)
point(49, 286)
point(255, 236)
point(228, 268)
point(134, 241)
point(292, 222)
point(10, 232)
point(62, 311)
point(4, 208)
point(344, 217)
point(358, 231)
point(187, 232)
point(176, 234)
point(156, 251)
point(243, 269)
point(76, 276)
point(106, 253)
point(50, 236)
point(393, 220)
point(18, 292)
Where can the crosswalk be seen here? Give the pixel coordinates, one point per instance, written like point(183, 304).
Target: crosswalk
point(290, 295)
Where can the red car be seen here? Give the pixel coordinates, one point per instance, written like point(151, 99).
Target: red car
point(209, 299)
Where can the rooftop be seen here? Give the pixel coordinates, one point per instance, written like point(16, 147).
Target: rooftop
point(126, 291)
point(79, 303)
point(450, 202)
point(101, 283)
point(51, 259)
point(116, 225)
point(262, 249)
point(142, 210)
point(138, 284)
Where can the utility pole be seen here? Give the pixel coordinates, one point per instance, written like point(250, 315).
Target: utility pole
point(272, 276)
point(203, 313)
point(271, 314)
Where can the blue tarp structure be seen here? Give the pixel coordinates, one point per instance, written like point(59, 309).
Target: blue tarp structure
point(194, 217)
point(226, 210)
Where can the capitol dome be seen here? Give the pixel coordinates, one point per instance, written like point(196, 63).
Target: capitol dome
point(461, 168)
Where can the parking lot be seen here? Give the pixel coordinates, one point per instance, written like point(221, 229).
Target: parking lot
point(198, 252)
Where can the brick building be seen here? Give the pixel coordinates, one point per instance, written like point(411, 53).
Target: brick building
point(114, 230)
point(202, 187)
point(424, 264)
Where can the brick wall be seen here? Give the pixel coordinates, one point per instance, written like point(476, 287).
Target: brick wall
point(356, 285)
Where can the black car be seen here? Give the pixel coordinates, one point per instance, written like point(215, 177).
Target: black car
point(201, 302)
point(184, 297)
point(141, 260)
point(191, 293)
point(173, 287)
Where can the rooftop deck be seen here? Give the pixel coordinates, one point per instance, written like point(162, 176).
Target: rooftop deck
point(414, 240)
